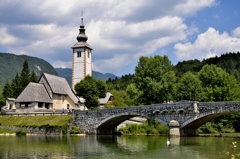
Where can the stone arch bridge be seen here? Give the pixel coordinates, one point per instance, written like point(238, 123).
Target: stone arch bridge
point(183, 119)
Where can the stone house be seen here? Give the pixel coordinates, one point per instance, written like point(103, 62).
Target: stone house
point(107, 100)
point(51, 92)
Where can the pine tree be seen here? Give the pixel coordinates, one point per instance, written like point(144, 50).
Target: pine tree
point(7, 90)
point(2, 100)
point(25, 75)
point(33, 77)
point(16, 86)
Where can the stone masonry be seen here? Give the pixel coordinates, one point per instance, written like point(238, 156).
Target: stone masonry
point(182, 118)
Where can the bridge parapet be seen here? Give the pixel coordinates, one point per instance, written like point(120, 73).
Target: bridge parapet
point(189, 115)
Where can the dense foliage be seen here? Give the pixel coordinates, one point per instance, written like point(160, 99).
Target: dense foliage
point(91, 90)
point(149, 127)
point(230, 62)
point(119, 83)
point(156, 80)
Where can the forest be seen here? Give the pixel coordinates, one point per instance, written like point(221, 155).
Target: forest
point(157, 80)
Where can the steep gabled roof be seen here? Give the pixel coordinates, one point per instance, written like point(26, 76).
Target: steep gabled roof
point(34, 92)
point(59, 85)
point(106, 99)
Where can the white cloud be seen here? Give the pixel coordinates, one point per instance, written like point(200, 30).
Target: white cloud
point(114, 65)
point(119, 31)
point(62, 64)
point(6, 38)
point(190, 7)
point(137, 39)
point(236, 32)
point(208, 44)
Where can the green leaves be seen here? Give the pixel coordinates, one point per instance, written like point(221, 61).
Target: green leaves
point(189, 87)
point(217, 84)
point(154, 79)
point(91, 90)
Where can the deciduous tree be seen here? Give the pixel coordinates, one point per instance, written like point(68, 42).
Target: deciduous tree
point(89, 90)
point(155, 79)
point(189, 87)
point(102, 88)
point(217, 84)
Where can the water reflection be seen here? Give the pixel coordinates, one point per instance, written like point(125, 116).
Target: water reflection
point(65, 147)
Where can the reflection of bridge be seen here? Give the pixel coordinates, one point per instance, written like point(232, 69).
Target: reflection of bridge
point(181, 118)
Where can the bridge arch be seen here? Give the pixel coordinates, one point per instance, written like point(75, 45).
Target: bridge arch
point(109, 124)
point(202, 118)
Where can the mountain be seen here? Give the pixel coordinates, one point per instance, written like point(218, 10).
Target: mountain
point(67, 73)
point(10, 64)
point(101, 76)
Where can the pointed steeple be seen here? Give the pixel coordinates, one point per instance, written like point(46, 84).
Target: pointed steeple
point(82, 37)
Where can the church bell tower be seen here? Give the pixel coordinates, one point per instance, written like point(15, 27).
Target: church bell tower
point(81, 57)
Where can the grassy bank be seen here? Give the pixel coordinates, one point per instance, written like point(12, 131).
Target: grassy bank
point(34, 121)
point(149, 127)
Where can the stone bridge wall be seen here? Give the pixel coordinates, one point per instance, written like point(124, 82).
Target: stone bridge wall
point(184, 117)
point(89, 121)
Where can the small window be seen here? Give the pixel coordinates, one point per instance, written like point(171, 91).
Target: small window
point(88, 54)
point(79, 54)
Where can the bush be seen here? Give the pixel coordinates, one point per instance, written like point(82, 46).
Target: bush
point(75, 130)
point(149, 127)
point(21, 132)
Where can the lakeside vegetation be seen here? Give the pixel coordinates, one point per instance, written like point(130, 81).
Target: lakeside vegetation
point(157, 80)
point(148, 127)
point(35, 121)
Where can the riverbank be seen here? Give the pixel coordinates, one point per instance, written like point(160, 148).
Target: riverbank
point(220, 135)
point(35, 124)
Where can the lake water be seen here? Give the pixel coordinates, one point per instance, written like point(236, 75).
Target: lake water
point(114, 147)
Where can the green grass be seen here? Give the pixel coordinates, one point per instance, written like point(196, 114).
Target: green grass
point(35, 121)
point(5, 131)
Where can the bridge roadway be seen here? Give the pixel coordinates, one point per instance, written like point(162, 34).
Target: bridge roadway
point(183, 119)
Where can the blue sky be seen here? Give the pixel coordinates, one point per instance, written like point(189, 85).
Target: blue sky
point(120, 31)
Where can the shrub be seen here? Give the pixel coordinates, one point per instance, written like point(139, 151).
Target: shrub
point(21, 132)
point(149, 127)
point(75, 130)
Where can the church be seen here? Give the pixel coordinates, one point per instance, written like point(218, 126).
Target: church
point(52, 93)
point(81, 57)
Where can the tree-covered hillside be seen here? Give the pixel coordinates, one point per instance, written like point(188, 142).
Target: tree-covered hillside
point(153, 76)
point(10, 64)
point(229, 62)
